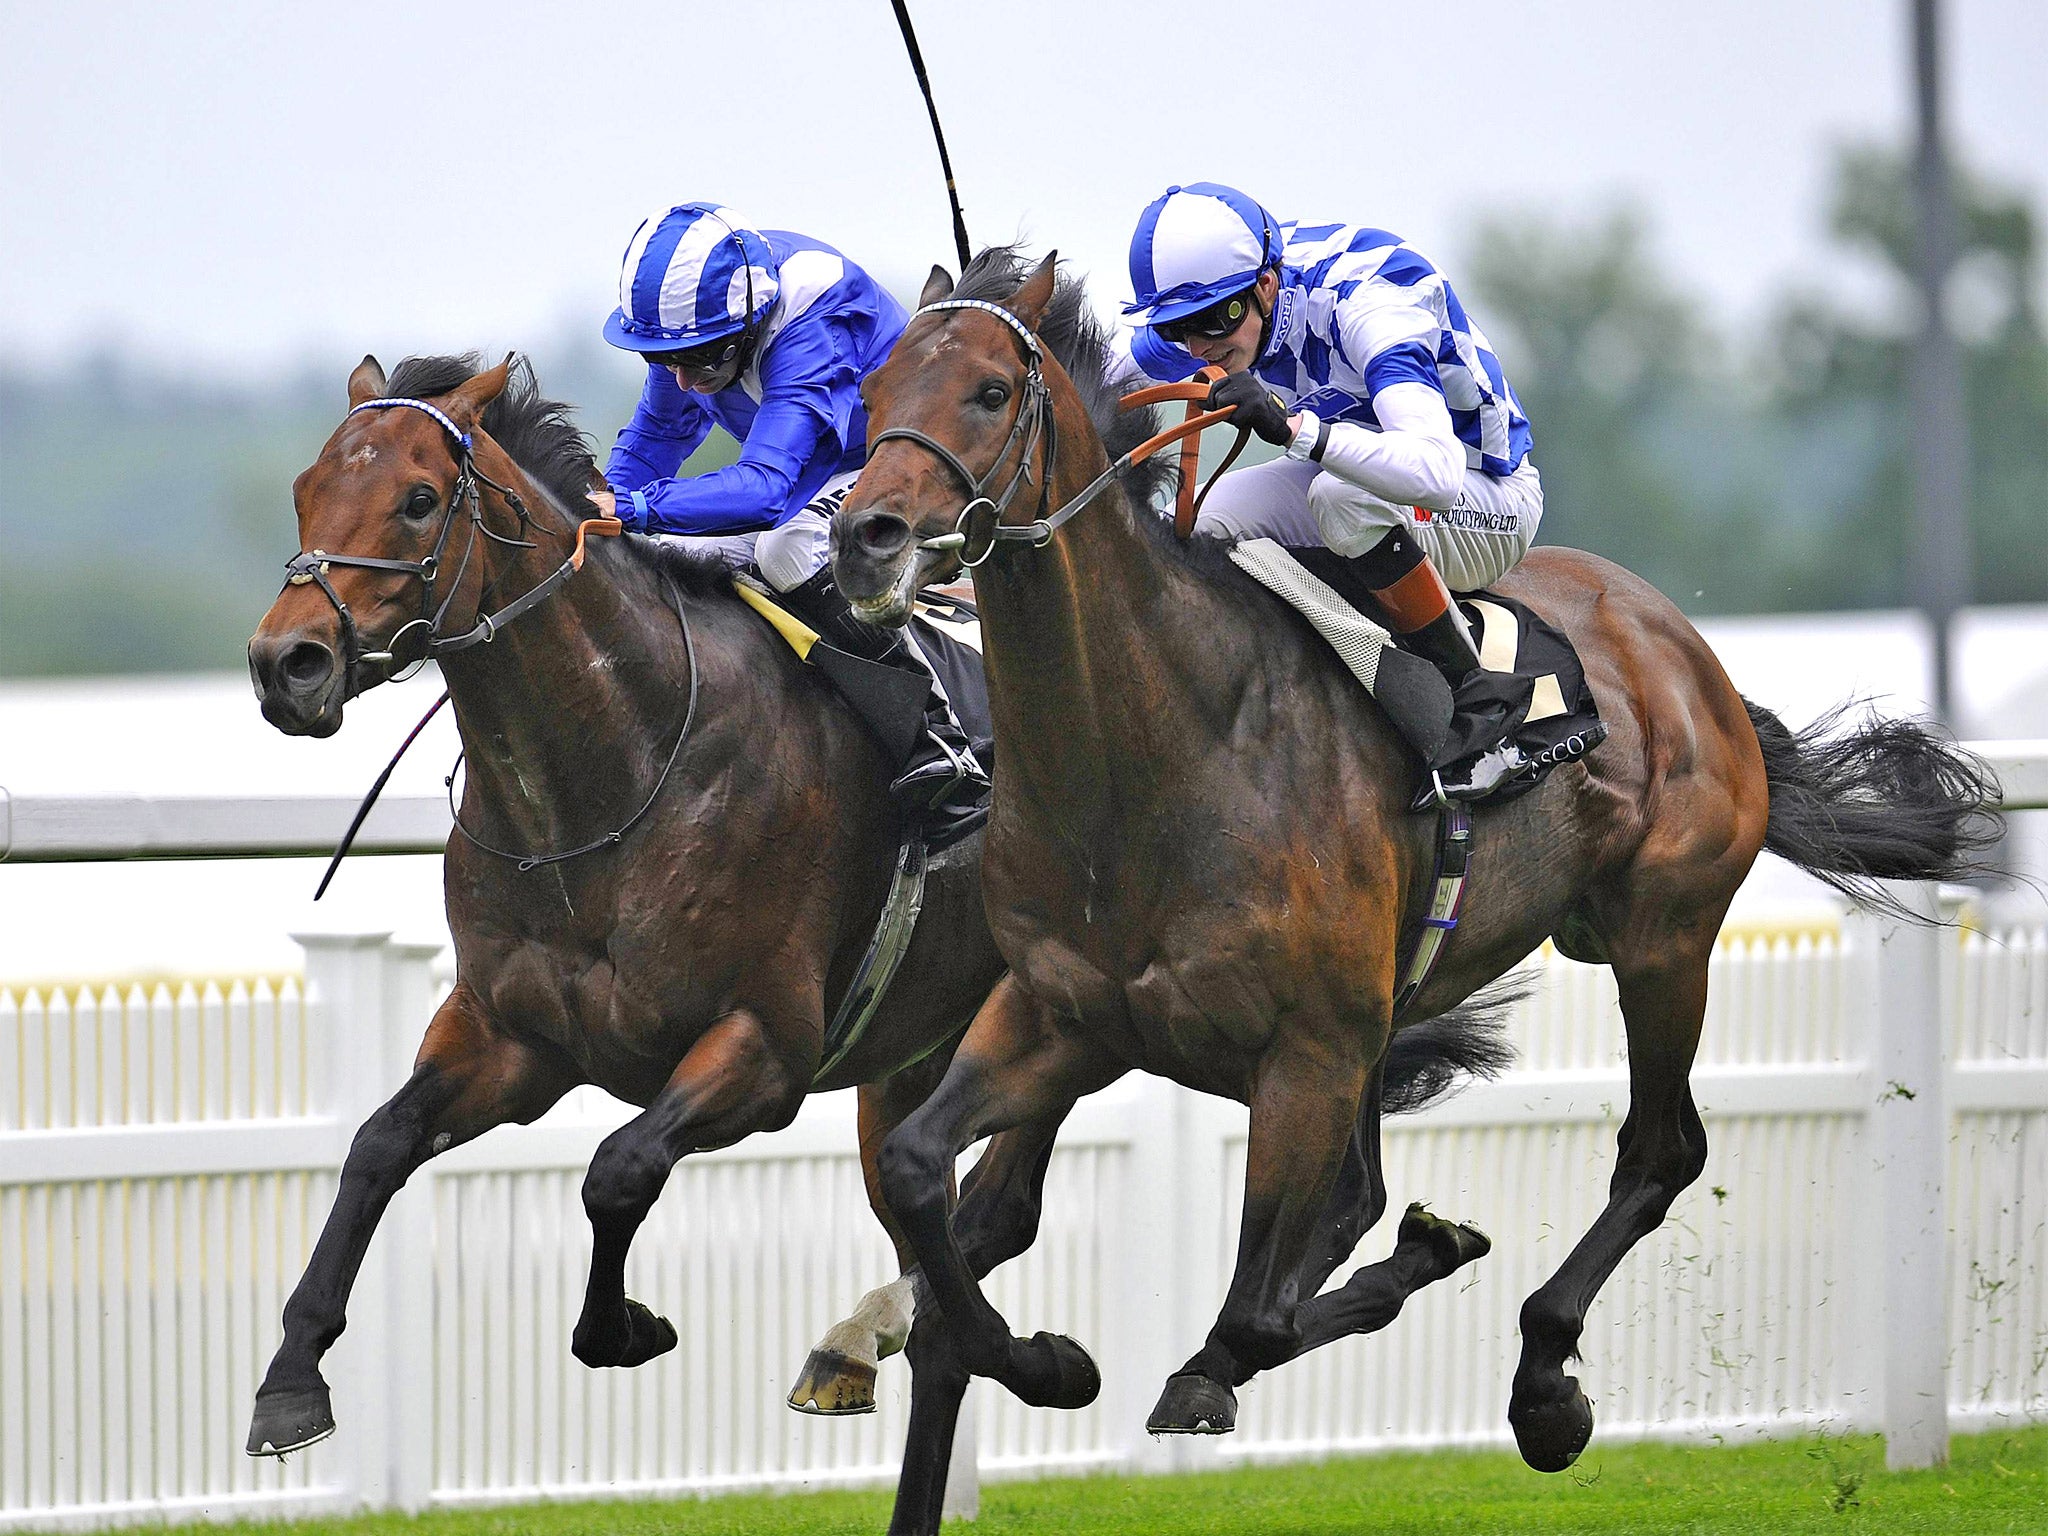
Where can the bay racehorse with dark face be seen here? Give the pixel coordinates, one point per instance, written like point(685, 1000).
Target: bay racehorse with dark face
point(689, 965)
point(1201, 864)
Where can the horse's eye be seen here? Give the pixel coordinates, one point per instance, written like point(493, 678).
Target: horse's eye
point(993, 396)
point(421, 502)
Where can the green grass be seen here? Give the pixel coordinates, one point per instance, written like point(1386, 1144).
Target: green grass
point(1994, 1483)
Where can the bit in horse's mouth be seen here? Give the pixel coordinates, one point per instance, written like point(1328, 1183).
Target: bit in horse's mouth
point(891, 606)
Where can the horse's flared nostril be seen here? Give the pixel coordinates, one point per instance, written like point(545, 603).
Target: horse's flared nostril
point(307, 666)
point(881, 535)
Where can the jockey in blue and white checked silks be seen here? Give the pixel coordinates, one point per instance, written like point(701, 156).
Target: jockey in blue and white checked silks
point(1405, 446)
point(767, 334)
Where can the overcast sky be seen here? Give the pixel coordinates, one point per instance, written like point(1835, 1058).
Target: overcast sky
point(245, 185)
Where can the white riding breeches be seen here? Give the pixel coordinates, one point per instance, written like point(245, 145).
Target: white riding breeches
point(787, 556)
point(1472, 545)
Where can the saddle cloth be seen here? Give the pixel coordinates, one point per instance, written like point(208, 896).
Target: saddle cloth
point(1531, 692)
point(948, 631)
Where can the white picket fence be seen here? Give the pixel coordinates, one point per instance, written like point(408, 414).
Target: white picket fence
point(166, 1157)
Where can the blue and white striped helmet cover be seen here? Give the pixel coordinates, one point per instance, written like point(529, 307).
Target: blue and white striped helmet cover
point(1195, 245)
point(685, 279)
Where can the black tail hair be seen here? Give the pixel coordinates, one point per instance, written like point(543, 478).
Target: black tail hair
point(1427, 1061)
point(1888, 799)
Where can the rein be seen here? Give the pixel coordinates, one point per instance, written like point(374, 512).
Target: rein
point(979, 527)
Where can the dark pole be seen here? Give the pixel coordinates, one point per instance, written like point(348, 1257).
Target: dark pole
point(1941, 582)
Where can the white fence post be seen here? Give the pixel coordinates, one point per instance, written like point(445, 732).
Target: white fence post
point(346, 998)
point(1149, 1284)
point(1910, 1133)
point(404, 1248)
point(962, 1499)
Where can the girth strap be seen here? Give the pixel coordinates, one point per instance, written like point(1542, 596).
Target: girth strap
point(891, 942)
point(1446, 900)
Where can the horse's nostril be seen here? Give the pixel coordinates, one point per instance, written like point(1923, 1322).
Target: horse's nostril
point(882, 535)
point(307, 665)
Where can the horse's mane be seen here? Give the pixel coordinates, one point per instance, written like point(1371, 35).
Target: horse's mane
point(542, 438)
point(1081, 343)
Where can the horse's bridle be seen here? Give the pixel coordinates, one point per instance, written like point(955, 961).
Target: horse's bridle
point(980, 526)
point(312, 565)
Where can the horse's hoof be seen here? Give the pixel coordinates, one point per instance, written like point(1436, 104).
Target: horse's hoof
point(1192, 1404)
point(1451, 1243)
point(1551, 1434)
point(833, 1384)
point(290, 1421)
point(1058, 1373)
point(646, 1335)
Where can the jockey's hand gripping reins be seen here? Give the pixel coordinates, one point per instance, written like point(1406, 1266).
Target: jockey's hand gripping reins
point(980, 526)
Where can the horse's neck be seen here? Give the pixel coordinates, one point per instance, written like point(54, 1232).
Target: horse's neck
point(575, 701)
point(1096, 632)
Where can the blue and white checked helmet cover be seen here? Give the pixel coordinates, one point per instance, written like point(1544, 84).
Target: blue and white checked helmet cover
point(1195, 245)
point(685, 277)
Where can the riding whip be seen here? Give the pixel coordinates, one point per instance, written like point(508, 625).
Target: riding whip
point(931, 107)
point(348, 838)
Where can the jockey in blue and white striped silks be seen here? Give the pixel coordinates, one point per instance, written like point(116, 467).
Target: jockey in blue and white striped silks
point(768, 334)
point(1405, 447)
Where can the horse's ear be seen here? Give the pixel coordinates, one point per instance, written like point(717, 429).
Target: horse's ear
point(366, 383)
point(936, 287)
point(466, 403)
point(1029, 302)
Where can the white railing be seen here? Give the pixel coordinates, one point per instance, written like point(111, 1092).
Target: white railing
point(166, 1157)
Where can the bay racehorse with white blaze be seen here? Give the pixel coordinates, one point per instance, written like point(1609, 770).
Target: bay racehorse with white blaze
point(688, 966)
point(1200, 861)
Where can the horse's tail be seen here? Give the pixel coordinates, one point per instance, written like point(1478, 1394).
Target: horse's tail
point(1426, 1061)
point(1888, 799)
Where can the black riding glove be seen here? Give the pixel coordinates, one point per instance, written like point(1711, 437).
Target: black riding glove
point(1257, 406)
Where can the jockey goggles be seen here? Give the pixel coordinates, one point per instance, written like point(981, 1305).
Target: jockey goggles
point(1218, 320)
point(705, 362)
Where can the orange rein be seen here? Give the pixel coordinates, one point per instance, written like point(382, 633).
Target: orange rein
point(1189, 435)
point(604, 527)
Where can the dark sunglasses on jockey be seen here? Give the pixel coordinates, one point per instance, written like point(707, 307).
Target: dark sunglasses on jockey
point(705, 362)
point(1218, 320)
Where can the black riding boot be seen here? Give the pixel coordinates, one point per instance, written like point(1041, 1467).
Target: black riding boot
point(1427, 624)
point(941, 779)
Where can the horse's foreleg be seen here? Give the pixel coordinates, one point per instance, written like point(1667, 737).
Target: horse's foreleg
point(997, 1219)
point(731, 1083)
point(1662, 1149)
point(1305, 1108)
point(839, 1376)
point(1018, 1063)
point(467, 1078)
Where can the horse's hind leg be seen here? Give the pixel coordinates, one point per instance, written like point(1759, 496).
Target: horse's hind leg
point(839, 1375)
point(468, 1078)
point(731, 1083)
point(1662, 1149)
point(1427, 1249)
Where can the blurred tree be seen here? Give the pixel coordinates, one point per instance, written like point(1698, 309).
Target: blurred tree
point(1785, 485)
point(1637, 437)
point(1842, 375)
